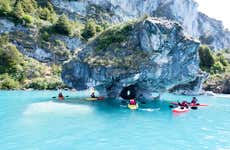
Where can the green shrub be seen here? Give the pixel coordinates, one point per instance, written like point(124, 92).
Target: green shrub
point(99, 28)
point(5, 8)
point(89, 30)
point(18, 12)
point(222, 59)
point(6, 82)
point(217, 68)
point(47, 14)
point(206, 57)
point(113, 35)
point(63, 25)
point(27, 18)
point(29, 6)
point(9, 59)
point(45, 36)
point(54, 84)
point(38, 83)
point(56, 70)
point(43, 83)
point(4, 39)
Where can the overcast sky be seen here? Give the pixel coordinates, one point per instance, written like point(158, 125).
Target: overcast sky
point(218, 9)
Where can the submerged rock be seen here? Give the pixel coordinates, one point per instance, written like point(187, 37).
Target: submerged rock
point(151, 55)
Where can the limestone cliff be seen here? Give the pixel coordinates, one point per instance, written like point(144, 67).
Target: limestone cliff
point(151, 55)
point(200, 26)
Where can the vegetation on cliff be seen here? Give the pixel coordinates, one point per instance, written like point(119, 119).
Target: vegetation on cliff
point(217, 64)
point(213, 62)
point(18, 71)
point(41, 25)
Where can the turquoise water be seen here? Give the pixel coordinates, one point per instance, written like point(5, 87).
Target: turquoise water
point(33, 121)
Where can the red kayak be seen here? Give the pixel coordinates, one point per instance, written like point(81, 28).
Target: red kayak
point(192, 105)
point(180, 110)
point(100, 98)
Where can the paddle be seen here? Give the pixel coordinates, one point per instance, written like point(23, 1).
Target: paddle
point(194, 107)
point(171, 106)
point(56, 96)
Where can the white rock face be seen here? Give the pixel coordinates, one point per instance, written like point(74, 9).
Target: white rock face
point(41, 54)
point(158, 65)
point(184, 11)
point(6, 26)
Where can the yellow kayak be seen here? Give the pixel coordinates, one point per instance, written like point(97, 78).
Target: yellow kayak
point(91, 99)
point(95, 98)
point(133, 107)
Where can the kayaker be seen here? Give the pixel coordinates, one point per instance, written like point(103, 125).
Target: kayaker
point(132, 102)
point(93, 95)
point(184, 104)
point(194, 101)
point(60, 96)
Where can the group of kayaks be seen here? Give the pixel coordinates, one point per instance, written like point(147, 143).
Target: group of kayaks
point(181, 109)
point(177, 107)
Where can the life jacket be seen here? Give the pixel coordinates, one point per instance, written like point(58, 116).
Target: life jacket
point(194, 101)
point(132, 102)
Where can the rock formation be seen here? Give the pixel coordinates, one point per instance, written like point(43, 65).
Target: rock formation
point(150, 55)
point(200, 26)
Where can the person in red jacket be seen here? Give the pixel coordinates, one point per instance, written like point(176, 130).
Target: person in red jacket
point(184, 104)
point(132, 102)
point(60, 96)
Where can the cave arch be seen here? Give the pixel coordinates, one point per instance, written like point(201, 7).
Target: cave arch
point(129, 92)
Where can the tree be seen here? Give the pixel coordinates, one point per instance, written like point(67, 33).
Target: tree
point(7, 82)
point(29, 6)
point(27, 18)
point(9, 59)
point(4, 39)
point(63, 25)
point(18, 11)
point(217, 68)
point(222, 60)
point(5, 7)
point(47, 14)
point(89, 30)
point(206, 58)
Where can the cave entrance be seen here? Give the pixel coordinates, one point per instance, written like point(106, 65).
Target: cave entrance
point(129, 92)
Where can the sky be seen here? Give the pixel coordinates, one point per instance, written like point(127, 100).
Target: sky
point(218, 9)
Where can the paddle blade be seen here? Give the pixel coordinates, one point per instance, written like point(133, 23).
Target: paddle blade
point(171, 106)
point(194, 107)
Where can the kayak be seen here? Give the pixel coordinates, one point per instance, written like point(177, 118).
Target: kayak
point(94, 99)
point(133, 107)
point(61, 98)
point(100, 98)
point(179, 110)
point(175, 103)
point(198, 104)
point(91, 99)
